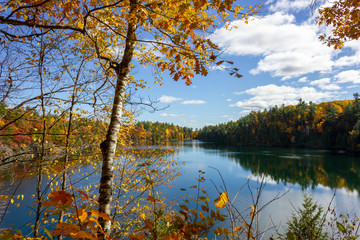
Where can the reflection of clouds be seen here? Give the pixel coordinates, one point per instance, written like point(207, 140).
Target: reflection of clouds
point(267, 179)
point(280, 210)
point(236, 177)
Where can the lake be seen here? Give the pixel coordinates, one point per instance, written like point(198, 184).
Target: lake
point(327, 176)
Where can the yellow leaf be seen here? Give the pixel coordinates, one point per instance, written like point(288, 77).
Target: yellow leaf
point(252, 211)
point(236, 229)
point(82, 214)
point(220, 202)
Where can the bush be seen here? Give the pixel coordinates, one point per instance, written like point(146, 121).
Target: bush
point(307, 222)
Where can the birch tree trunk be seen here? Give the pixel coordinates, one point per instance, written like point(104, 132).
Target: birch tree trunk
point(108, 146)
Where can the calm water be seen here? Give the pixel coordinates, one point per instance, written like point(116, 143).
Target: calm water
point(322, 174)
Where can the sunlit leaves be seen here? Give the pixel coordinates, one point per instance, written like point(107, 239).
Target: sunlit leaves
point(222, 200)
point(344, 17)
point(59, 198)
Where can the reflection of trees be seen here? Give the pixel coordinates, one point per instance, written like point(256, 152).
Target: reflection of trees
point(308, 168)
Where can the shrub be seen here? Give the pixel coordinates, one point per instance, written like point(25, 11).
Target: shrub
point(307, 222)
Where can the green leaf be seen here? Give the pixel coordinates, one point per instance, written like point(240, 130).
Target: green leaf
point(352, 237)
point(350, 226)
point(48, 234)
point(18, 231)
point(344, 218)
point(341, 227)
point(290, 236)
point(184, 207)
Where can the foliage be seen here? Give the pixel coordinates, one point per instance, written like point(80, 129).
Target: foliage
point(188, 223)
point(106, 38)
point(344, 18)
point(325, 125)
point(308, 222)
point(149, 133)
point(345, 229)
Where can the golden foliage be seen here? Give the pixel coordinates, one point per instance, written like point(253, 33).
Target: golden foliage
point(221, 201)
point(344, 17)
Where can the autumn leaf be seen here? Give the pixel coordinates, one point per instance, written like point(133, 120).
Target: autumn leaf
point(58, 199)
point(252, 211)
point(71, 230)
point(82, 214)
point(152, 199)
point(220, 202)
point(237, 229)
point(98, 214)
point(220, 62)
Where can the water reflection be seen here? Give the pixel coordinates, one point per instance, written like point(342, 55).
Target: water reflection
point(308, 168)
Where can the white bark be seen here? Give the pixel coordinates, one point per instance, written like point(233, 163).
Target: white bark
point(108, 147)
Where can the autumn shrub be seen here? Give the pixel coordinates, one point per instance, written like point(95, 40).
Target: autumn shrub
point(344, 226)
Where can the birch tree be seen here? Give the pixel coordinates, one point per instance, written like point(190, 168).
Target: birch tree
point(168, 35)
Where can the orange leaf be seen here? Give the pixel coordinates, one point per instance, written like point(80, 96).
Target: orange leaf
point(152, 199)
point(82, 214)
point(98, 214)
point(59, 198)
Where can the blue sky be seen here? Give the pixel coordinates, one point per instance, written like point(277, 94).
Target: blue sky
point(281, 60)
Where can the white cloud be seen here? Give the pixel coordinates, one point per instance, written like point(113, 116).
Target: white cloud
point(271, 95)
point(349, 76)
point(354, 47)
point(169, 115)
point(289, 5)
point(193, 102)
point(287, 49)
point(293, 63)
point(325, 84)
point(245, 112)
point(218, 67)
point(168, 99)
point(303, 80)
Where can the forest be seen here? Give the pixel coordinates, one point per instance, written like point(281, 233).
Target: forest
point(331, 125)
point(20, 137)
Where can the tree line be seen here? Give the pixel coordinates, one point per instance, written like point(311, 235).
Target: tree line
point(333, 125)
point(21, 137)
point(148, 133)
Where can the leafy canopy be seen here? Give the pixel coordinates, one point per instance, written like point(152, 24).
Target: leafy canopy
point(170, 35)
point(344, 17)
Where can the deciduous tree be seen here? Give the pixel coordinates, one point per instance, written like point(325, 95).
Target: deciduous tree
point(168, 35)
point(344, 18)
